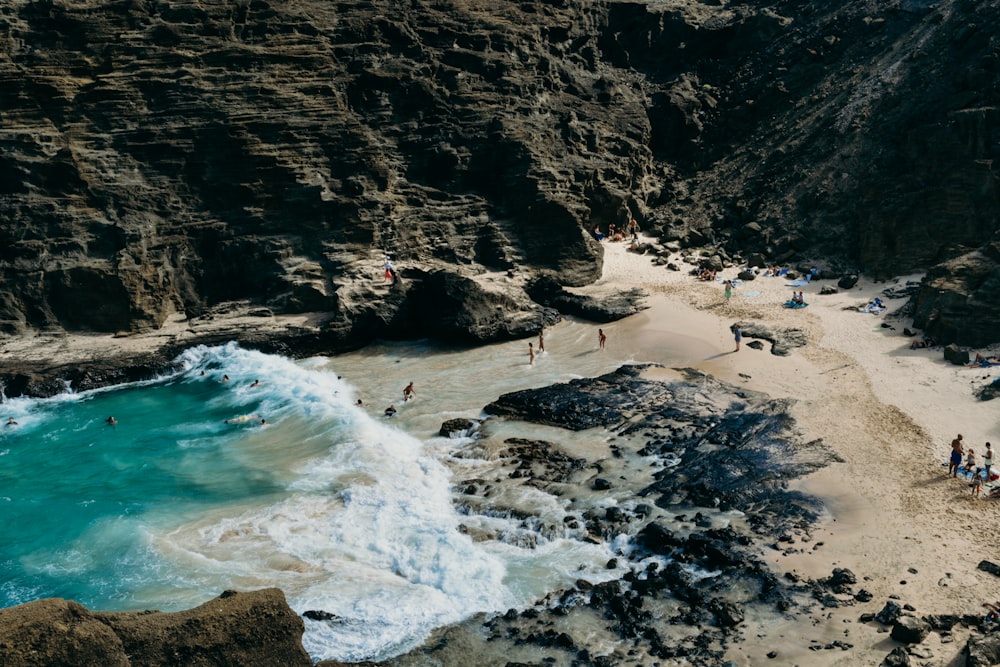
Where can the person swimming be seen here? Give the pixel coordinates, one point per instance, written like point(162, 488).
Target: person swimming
point(111, 421)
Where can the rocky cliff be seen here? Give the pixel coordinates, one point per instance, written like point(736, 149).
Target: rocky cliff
point(163, 158)
point(249, 629)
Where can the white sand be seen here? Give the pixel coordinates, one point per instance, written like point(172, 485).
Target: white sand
point(889, 412)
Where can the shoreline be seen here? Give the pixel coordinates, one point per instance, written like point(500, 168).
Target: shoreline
point(888, 412)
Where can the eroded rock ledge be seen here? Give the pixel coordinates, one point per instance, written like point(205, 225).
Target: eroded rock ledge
point(250, 629)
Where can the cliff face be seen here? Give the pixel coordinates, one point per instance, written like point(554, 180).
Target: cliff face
point(160, 158)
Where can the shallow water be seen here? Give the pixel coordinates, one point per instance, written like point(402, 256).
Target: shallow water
point(344, 509)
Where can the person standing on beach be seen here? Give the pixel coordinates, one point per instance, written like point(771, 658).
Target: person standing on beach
point(737, 336)
point(956, 455)
point(602, 338)
point(729, 290)
point(541, 340)
point(987, 462)
point(977, 483)
point(531, 354)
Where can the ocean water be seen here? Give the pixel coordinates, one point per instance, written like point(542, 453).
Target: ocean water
point(345, 510)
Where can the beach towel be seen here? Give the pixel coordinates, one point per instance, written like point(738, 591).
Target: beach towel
point(797, 283)
point(794, 304)
point(874, 310)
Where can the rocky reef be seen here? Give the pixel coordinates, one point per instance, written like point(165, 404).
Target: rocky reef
point(160, 159)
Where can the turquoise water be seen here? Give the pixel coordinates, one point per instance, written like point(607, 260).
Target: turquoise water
point(79, 496)
point(339, 507)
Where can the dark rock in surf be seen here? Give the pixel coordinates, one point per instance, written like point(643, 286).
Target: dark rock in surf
point(459, 427)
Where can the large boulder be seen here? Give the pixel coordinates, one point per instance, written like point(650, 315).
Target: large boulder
point(984, 651)
point(255, 629)
point(959, 300)
point(910, 630)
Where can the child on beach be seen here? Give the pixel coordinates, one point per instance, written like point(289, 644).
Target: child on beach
point(977, 483)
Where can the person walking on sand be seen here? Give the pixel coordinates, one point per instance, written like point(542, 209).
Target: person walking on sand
point(541, 340)
point(602, 338)
point(729, 290)
point(956, 455)
point(531, 354)
point(737, 336)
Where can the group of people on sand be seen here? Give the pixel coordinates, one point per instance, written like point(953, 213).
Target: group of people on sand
point(628, 231)
point(964, 462)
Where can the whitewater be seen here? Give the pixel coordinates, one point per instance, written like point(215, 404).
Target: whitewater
point(190, 493)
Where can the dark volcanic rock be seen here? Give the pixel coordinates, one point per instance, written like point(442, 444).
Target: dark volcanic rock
point(458, 427)
point(234, 629)
point(548, 292)
point(910, 630)
point(989, 566)
point(898, 657)
point(956, 355)
point(984, 651)
point(890, 612)
point(575, 406)
point(959, 300)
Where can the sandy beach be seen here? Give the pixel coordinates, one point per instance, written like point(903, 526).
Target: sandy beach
point(895, 518)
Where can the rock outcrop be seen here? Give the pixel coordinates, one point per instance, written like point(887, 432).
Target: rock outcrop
point(165, 158)
point(253, 629)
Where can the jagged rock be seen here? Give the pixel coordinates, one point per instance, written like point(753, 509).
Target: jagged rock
point(890, 612)
point(608, 308)
point(983, 651)
point(990, 391)
point(910, 630)
point(782, 340)
point(255, 628)
point(959, 300)
point(459, 427)
point(847, 282)
point(898, 657)
point(657, 539)
point(828, 289)
point(841, 580)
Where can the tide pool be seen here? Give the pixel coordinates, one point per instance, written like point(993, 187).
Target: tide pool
point(341, 509)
